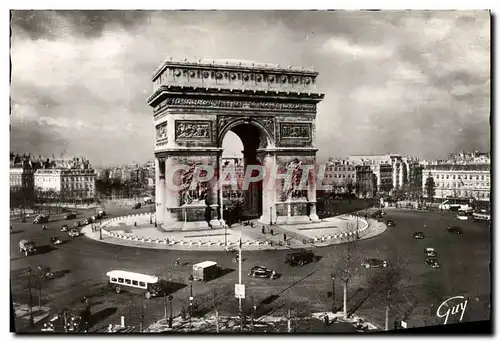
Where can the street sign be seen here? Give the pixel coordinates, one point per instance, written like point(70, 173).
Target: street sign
point(404, 325)
point(239, 291)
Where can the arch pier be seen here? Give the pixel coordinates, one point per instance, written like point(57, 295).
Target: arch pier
point(271, 109)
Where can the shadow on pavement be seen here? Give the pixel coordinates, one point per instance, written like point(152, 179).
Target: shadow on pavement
point(171, 287)
point(102, 315)
point(46, 248)
point(269, 300)
point(17, 231)
point(60, 274)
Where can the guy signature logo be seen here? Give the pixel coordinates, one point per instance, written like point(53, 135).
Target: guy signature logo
point(454, 310)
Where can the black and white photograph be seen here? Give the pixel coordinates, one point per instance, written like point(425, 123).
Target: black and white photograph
point(250, 171)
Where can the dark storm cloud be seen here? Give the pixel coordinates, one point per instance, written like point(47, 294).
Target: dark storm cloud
point(88, 24)
point(402, 82)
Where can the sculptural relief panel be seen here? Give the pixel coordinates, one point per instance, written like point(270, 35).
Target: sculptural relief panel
point(191, 130)
point(161, 134)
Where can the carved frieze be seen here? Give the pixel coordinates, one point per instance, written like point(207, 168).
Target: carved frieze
point(295, 131)
point(161, 134)
point(230, 104)
point(193, 130)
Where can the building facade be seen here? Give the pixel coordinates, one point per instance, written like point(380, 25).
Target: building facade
point(234, 169)
point(459, 180)
point(365, 182)
point(67, 181)
point(339, 177)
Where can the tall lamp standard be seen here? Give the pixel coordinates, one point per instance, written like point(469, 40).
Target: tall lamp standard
point(357, 226)
point(32, 323)
point(170, 319)
point(190, 299)
point(334, 304)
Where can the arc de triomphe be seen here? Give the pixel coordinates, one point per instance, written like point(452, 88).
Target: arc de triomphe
point(271, 109)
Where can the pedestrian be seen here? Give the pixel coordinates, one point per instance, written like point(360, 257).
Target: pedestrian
point(263, 230)
point(327, 319)
point(284, 237)
point(272, 232)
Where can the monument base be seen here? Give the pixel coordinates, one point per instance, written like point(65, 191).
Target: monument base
point(314, 218)
point(216, 224)
point(195, 225)
point(293, 219)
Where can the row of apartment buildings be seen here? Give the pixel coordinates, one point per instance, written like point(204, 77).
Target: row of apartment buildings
point(64, 179)
point(135, 175)
point(465, 175)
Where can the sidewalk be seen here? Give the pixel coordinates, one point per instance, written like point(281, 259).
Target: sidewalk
point(215, 239)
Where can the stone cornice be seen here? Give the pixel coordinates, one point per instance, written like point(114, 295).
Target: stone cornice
point(217, 65)
point(229, 94)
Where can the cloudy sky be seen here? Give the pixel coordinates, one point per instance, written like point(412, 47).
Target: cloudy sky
point(402, 82)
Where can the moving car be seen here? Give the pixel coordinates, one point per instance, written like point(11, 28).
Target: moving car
point(55, 240)
point(27, 247)
point(462, 216)
point(430, 252)
point(418, 235)
point(74, 233)
point(454, 230)
point(262, 272)
point(77, 224)
point(41, 219)
point(390, 223)
point(70, 216)
point(89, 220)
point(300, 258)
point(64, 228)
point(373, 263)
point(432, 262)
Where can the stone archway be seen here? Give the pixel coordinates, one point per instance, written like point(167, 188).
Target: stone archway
point(271, 109)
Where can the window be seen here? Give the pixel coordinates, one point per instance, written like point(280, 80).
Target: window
point(134, 282)
point(127, 281)
point(120, 280)
point(453, 176)
point(447, 176)
point(113, 279)
point(142, 284)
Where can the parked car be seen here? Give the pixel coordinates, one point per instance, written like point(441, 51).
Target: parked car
point(27, 247)
point(137, 206)
point(383, 213)
point(462, 216)
point(262, 272)
point(454, 230)
point(102, 213)
point(432, 262)
point(418, 235)
point(74, 233)
point(70, 216)
point(430, 252)
point(55, 240)
point(89, 220)
point(300, 258)
point(77, 224)
point(390, 223)
point(373, 263)
point(64, 228)
point(41, 219)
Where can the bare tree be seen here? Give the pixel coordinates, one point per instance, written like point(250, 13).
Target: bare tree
point(345, 269)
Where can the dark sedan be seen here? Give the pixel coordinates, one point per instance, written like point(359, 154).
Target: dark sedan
point(373, 263)
point(432, 262)
point(418, 235)
point(390, 223)
point(262, 272)
point(454, 230)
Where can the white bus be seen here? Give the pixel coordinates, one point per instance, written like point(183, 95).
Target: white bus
point(457, 204)
point(481, 217)
point(148, 285)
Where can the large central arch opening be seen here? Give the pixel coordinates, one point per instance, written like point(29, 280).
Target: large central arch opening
point(242, 143)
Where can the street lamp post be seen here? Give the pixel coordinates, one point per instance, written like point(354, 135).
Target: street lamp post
point(190, 299)
point(334, 304)
point(170, 319)
point(357, 226)
point(32, 322)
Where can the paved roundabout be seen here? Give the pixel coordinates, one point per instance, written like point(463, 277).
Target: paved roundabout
point(136, 230)
point(81, 264)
